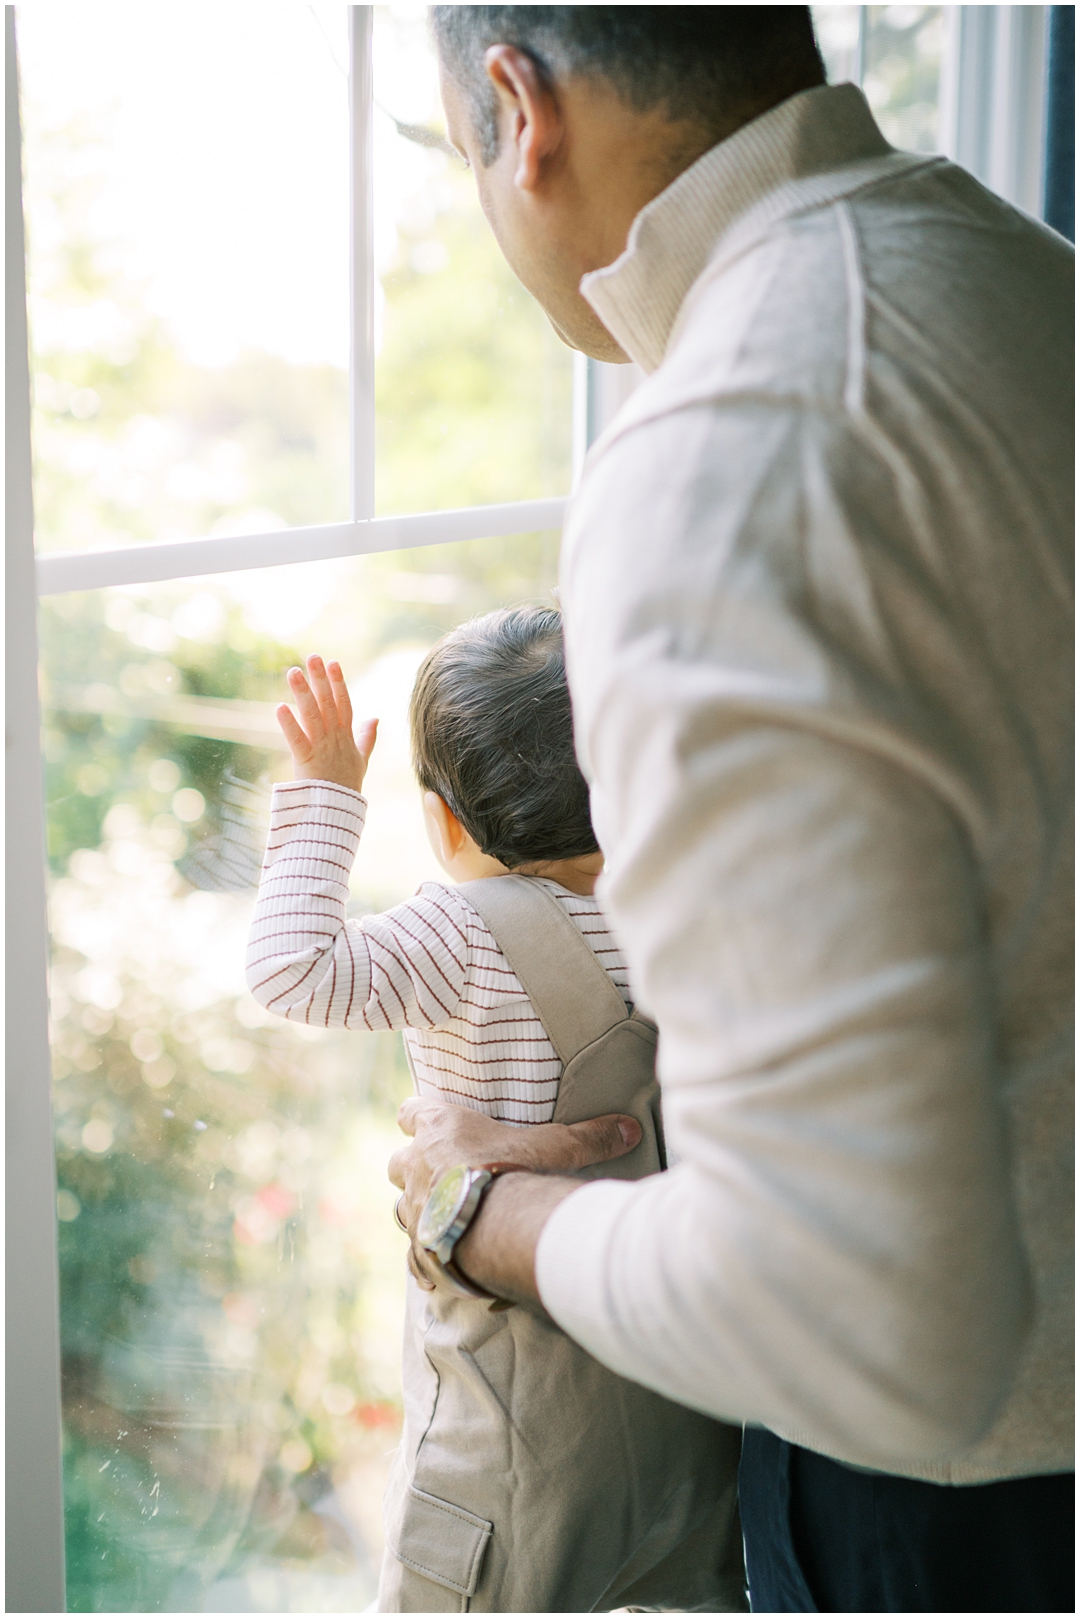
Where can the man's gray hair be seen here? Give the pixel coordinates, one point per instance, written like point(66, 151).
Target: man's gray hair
point(711, 66)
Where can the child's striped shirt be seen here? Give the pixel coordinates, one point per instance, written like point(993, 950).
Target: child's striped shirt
point(429, 967)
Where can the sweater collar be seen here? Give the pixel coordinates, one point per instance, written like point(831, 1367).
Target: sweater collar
point(671, 240)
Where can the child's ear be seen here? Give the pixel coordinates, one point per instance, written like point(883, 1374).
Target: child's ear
point(448, 834)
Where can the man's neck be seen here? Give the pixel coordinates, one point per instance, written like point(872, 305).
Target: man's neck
point(626, 158)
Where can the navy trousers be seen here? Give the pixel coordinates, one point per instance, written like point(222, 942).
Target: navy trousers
point(824, 1537)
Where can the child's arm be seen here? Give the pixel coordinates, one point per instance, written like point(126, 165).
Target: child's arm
point(305, 961)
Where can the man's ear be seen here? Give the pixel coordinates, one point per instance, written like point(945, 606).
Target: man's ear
point(449, 833)
point(528, 108)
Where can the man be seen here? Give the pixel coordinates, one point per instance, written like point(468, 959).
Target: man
point(816, 590)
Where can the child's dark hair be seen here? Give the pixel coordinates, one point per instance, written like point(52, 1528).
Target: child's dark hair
point(493, 736)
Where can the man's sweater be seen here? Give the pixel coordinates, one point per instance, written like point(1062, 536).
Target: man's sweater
point(817, 593)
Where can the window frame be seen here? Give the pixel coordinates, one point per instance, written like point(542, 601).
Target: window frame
point(34, 1493)
point(992, 107)
point(363, 533)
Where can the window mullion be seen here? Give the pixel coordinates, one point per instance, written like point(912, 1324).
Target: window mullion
point(194, 558)
point(1016, 125)
point(992, 101)
point(860, 48)
point(361, 269)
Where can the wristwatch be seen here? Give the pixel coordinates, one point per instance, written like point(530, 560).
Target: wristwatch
point(447, 1214)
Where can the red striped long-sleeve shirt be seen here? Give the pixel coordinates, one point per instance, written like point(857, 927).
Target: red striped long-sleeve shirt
point(429, 967)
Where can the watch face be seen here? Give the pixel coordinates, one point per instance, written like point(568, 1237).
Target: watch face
point(443, 1206)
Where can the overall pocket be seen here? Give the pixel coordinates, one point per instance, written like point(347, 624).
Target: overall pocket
point(443, 1542)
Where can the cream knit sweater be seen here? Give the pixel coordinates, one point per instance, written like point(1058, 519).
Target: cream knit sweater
point(817, 589)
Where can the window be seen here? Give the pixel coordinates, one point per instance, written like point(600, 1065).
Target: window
point(968, 81)
point(895, 53)
point(285, 395)
point(215, 299)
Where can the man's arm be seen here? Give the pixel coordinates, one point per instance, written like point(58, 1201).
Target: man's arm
point(793, 794)
point(498, 1250)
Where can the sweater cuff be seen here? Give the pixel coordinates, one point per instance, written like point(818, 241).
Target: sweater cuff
point(322, 800)
point(310, 817)
point(573, 1269)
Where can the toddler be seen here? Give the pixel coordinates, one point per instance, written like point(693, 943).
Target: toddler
point(530, 1478)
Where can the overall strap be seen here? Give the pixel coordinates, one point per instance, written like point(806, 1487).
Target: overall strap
point(571, 992)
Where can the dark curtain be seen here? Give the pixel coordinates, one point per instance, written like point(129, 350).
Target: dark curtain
point(1059, 193)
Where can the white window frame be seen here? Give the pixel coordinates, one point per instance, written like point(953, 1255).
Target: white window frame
point(992, 121)
point(34, 1499)
point(993, 98)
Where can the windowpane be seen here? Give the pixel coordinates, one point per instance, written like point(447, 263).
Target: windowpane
point(187, 226)
point(837, 30)
point(902, 50)
point(902, 74)
point(231, 1275)
point(473, 388)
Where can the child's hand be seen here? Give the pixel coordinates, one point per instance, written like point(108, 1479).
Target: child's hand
point(322, 744)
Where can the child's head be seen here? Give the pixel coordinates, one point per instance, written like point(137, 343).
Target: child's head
point(492, 737)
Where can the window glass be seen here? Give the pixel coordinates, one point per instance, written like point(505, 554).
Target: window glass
point(473, 388)
point(187, 226)
point(902, 73)
point(897, 51)
point(231, 1274)
point(837, 30)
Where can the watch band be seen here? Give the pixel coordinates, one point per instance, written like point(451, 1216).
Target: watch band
point(440, 1252)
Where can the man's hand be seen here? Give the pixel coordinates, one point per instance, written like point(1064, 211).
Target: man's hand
point(498, 1250)
point(445, 1136)
point(322, 743)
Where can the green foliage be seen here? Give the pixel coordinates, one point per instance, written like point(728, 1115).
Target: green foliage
point(217, 1255)
point(95, 650)
point(473, 389)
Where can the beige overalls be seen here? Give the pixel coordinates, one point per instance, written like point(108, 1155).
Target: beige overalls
point(530, 1478)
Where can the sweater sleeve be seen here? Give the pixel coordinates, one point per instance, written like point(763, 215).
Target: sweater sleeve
point(307, 962)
